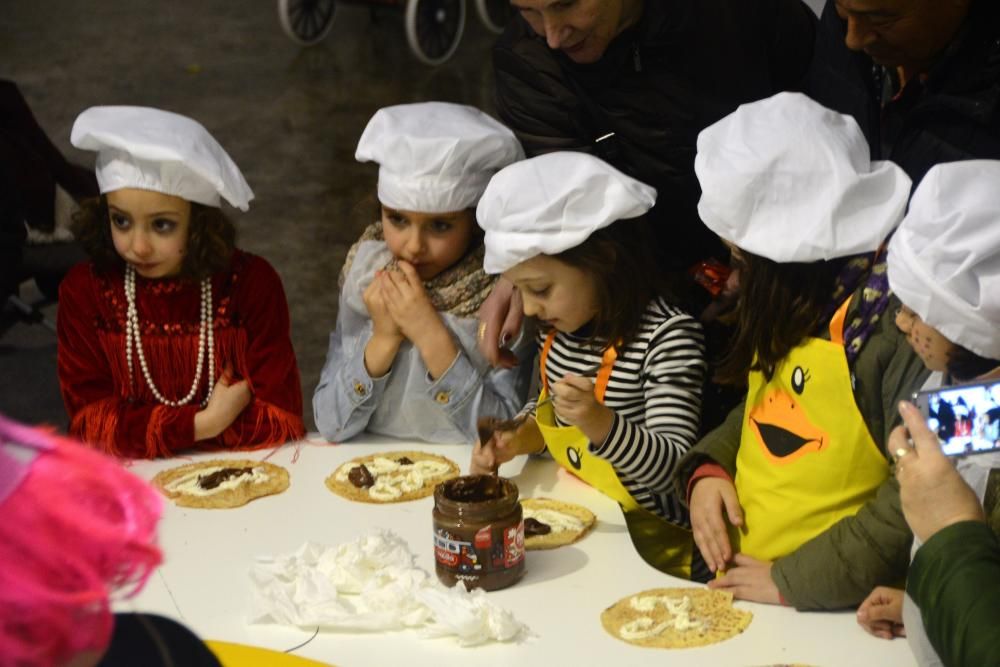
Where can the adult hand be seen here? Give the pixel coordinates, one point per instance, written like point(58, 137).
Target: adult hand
point(383, 326)
point(932, 492)
point(229, 399)
point(500, 319)
point(709, 497)
point(748, 579)
point(881, 614)
point(576, 405)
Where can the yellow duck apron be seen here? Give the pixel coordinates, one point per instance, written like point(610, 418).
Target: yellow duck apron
point(806, 458)
point(663, 545)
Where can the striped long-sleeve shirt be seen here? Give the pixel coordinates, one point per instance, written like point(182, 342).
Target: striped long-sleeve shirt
point(655, 392)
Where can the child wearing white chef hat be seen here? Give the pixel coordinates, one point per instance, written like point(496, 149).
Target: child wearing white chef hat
point(403, 359)
point(801, 468)
point(624, 365)
point(170, 336)
point(944, 265)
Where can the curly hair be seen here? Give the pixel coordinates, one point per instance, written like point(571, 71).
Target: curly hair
point(626, 274)
point(210, 244)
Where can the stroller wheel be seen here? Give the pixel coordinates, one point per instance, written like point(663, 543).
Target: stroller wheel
point(494, 14)
point(306, 21)
point(434, 28)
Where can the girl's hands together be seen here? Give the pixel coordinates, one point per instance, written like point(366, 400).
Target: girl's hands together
point(383, 325)
point(407, 302)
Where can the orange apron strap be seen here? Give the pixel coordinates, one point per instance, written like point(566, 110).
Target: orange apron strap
point(603, 375)
point(544, 356)
point(837, 323)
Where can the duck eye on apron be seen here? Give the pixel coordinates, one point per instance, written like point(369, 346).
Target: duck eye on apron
point(799, 379)
point(573, 456)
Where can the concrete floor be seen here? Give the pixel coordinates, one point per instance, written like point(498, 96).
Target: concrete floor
point(289, 116)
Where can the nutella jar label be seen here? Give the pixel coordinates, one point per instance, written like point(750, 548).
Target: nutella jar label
point(478, 532)
point(455, 554)
point(513, 545)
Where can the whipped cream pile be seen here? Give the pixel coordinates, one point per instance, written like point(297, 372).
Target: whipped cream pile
point(372, 584)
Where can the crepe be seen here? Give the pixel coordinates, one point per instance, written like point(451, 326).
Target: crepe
point(221, 483)
point(675, 618)
point(566, 521)
point(387, 478)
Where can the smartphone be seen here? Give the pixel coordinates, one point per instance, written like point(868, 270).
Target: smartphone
point(965, 417)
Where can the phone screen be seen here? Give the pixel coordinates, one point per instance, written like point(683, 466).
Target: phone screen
point(966, 418)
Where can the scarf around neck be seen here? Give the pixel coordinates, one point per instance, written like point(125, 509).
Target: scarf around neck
point(458, 290)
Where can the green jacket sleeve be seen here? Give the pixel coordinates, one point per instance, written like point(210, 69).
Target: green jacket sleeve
point(718, 446)
point(955, 580)
point(840, 567)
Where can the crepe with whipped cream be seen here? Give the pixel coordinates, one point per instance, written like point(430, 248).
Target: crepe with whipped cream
point(391, 477)
point(549, 524)
point(221, 483)
point(675, 618)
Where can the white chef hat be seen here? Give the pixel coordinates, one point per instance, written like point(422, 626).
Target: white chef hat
point(944, 260)
point(435, 157)
point(552, 203)
point(152, 149)
point(788, 179)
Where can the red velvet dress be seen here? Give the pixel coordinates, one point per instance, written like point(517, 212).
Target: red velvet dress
point(251, 328)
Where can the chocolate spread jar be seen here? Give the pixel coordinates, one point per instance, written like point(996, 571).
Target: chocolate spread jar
point(478, 532)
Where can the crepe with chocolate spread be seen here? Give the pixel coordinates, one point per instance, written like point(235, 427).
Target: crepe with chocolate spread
point(675, 618)
point(549, 524)
point(221, 483)
point(391, 477)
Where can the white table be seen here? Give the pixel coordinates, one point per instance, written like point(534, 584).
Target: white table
point(203, 581)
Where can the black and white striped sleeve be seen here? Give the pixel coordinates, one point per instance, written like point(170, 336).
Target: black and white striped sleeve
point(647, 442)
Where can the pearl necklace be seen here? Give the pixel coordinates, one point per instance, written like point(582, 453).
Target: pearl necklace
point(133, 338)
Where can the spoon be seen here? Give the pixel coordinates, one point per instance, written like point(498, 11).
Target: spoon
point(487, 426)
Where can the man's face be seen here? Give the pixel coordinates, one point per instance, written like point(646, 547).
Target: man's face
point(582, 29)
point(901, 33)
